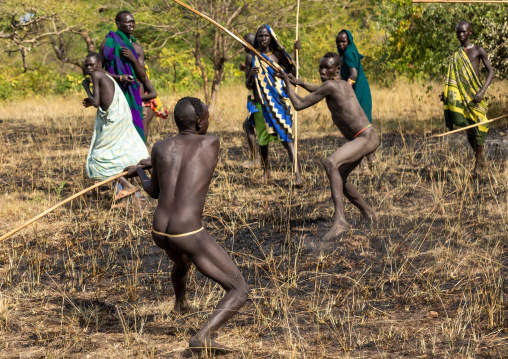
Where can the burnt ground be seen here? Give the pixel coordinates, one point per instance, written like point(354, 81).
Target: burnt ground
point(426, 281)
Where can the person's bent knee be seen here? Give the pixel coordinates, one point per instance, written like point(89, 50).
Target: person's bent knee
point(241, 288)
point(329, 165)
point(244, 292)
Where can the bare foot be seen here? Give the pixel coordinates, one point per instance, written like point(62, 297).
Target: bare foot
point(199, 344)
point(182, 307)
point(298, 180)
point(369, 215)
point(338, 228)
point(477, 172)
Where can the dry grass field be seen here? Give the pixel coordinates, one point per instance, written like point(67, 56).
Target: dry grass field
point(427, 281)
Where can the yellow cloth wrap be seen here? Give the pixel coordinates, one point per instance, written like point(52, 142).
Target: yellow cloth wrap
point(461, 87)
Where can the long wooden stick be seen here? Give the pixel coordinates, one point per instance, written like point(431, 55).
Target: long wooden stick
point(237, 37)
point(296, 89)
point(471, 126)
point(461, 1)
point(5, 236)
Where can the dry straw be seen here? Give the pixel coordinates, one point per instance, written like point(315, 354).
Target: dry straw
point(468, 127)
point(5, 236)
point(461, 2)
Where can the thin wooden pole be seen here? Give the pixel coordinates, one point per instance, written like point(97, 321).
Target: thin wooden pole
point(461, 1)
point(471, 126)
point(60, 204)
point(237, 37)
point(296, 89)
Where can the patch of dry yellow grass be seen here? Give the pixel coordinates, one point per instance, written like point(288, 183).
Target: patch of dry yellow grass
point(87, 281)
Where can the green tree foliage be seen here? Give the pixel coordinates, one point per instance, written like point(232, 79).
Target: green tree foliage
point(47, 40)
point(421, 37)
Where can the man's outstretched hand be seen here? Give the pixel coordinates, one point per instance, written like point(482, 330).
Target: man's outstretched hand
point(282, 75)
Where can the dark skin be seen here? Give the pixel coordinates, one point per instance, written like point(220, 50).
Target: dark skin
point(127, 24)
point(103, 87)
point(476, 54)
point(264, 39)
point(348, 116)
point(147, 90)
point(182, 168)
point(103, 93)
point(342, 42)
point(249, 130)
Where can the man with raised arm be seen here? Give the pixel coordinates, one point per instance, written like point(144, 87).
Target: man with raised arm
point(115, 143)
point(182, 168)
point(348, 116)
point(463, 97)
point(270, 106)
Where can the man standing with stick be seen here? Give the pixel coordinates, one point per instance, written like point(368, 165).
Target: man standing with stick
point(463, 98)
point(271, 107)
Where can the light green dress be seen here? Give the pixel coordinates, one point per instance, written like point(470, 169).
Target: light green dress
point(116, 143)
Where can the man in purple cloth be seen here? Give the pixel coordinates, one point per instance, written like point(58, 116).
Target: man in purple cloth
point(115, 50)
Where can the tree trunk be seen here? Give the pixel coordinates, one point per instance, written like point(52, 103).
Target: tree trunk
point(199, 63)
point(218, 74)
point(90, 46)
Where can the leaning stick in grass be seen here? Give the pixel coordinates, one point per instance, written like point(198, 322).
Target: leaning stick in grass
point(467, 127)
point(60, 204)
point(296, 90)
point(237, 37)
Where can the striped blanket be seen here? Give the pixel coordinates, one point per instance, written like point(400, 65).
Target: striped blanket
point(461, 86)
point(115, 142)
point(273, 95)
point(116, 64)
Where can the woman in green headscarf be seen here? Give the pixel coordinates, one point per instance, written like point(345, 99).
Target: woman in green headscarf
point(352, 70)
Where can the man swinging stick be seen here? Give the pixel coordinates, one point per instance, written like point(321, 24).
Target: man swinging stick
point(348, 116)
point(182, 170)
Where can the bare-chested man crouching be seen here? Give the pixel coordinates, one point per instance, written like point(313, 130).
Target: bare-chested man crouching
point(348, 116)
point(182, 168)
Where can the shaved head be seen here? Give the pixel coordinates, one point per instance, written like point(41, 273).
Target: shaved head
point(464, 23)
point(337, 61)
point(187, 112)
point(250, 37)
